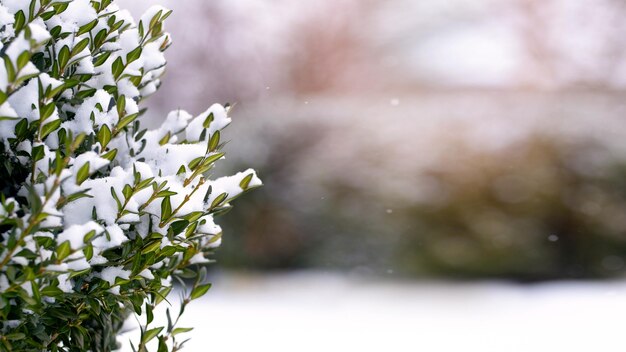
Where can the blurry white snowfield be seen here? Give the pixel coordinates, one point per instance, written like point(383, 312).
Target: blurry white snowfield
point(308, 311)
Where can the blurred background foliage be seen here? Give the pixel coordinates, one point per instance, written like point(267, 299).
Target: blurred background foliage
point(456, 139)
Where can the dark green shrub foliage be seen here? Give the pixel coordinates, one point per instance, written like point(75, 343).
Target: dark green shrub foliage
point(97, 215)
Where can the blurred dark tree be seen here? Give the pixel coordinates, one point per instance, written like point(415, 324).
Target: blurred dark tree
point(538, 209)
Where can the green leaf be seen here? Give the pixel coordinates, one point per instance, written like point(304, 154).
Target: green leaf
point(121, 106)
point(59, 162)
point(60, 7)
point(80, 46)
point(79, 195)
point(101, 59)
point(118, 67)
point(145, 183)
point(23, 59)
point(169, 320)
point(191, 230)
point(162, 345)
point(87, 27)
point(165, 139)
point(151, 247)
point(31, 10)
point(21, 129)
point(15, 336)
point(178, 226)
point(23, 78)
point(100, 38)
point(110, 156)
point(193, 216)
point(166, 193)
point(55, 32)
point(133, 55)
point(127, 191)
point(157, 30)
point(49, 128)
point(51, 291)
point(88, 251)
point(208, 194)
point(34, 285)
point(46, 111)
point(78, 140)
point(217, 201)
point(83, 174)
point(79, 273)
point(199, 291)
point(71, 83)
point(166, 208)
point(212, 158)
point(162, 295)
point(63, 250)
point(48, 15)
point(20, 20)
point(104, 136)
point(180, 331)
point(88, 236)
point(126, 120)
point(86, 93)
point(64, 56)
point(155, 19)
point(150, 334)
point(53, 92)
point(149, 314)
point(166, 15)
point(246, 182)
point(202, 135)
point(214, 141)
point(117, 200)
point(195, 162)
point(8, 65)
point(37, 153)
point(208, 120)
point(140, 134)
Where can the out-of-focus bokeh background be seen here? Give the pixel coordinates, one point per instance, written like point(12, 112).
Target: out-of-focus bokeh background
point(406, 142)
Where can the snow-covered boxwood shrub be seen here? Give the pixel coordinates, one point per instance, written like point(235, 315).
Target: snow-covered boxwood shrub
point(98, 214)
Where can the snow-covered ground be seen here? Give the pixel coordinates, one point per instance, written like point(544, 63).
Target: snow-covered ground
point(330, 312)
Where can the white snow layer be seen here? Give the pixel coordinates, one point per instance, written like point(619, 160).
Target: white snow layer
point(328, 312)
